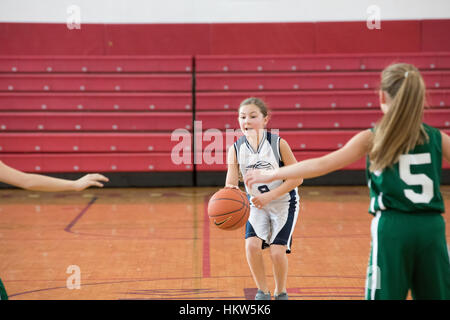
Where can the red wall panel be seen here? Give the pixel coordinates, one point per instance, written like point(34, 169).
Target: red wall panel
point(157, 39)
point(51, 38)
point(224, 38)
point(262, 38)
point(435, 35)
point(352, 37)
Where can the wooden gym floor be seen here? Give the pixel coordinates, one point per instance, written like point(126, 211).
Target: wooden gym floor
point(159, 244)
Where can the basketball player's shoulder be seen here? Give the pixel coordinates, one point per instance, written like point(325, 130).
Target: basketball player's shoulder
point(272, 136)
point(239, 142)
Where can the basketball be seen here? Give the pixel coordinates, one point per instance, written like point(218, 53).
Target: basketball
point(228, 209)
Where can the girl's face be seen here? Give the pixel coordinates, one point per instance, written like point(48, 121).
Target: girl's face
point(251, 120)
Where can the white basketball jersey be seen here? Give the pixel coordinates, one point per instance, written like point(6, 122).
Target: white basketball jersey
point(266, 157)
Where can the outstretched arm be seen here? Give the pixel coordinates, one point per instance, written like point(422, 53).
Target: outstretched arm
point(38, 182)
point(353, 150)
point(289, 159)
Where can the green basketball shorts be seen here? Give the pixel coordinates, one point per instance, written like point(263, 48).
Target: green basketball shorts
point(408, 252)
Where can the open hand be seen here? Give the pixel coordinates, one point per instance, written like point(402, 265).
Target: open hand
point(90, 180)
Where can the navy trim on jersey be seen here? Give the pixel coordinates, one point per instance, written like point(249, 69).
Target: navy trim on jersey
point(280, 162)
point(269, 137)
point(237, 145)
point(274, 141)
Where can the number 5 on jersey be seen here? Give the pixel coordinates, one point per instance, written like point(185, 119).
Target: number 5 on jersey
point(405, 163)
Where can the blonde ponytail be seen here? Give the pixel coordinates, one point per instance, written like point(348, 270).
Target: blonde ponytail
point(400, 128)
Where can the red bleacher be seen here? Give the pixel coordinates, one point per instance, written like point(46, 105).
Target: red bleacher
point(118, 113)
point(286, 100)
point(94, 113)
point(93, 162)
point(97, 64)
point(322, 62)
point(105, 121)
point(305, 81)
point(95, 82)
point(69, 142)
point(93, 101)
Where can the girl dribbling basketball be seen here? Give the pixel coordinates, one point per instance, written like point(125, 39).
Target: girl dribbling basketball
point(274, 207)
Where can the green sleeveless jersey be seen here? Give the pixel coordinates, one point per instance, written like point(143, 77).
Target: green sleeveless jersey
point(412, 185)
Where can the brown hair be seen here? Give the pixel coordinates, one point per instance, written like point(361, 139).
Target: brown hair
point(400, 129)
point(257, 102)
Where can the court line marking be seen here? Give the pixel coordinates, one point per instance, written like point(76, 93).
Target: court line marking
point(69, 227)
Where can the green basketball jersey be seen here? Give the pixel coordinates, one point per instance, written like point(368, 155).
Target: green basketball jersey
point(412, 185)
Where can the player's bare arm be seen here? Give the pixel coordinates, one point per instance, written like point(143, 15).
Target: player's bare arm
point(37, 182)
point(232, 179)
point(353, 150)
point(289, 159)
